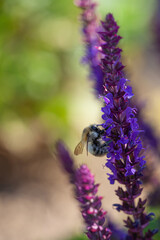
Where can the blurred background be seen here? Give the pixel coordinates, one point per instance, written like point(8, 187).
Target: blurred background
point(45, 95)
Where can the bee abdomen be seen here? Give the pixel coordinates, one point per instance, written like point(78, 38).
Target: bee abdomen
point(100, 150)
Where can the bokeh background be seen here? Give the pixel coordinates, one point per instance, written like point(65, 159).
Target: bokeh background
point(45, 95)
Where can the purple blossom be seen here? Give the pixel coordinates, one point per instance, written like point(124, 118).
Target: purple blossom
point(92, 212)
point(124, 158)
point(92, 42)
point(93, 56)
point(86, 193)
point(66, 160)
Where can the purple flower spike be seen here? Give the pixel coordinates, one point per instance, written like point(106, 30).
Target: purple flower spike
point(92, 42)
point(86, 193)
point(93, 56)
point(66, 160)
point(92, 212)
point(124, 157)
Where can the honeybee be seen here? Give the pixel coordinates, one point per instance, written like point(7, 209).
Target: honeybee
point(92, 136)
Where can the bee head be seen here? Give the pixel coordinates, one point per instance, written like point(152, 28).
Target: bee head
point(93, 133)
point(94, 128)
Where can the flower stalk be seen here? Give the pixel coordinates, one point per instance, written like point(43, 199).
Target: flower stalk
point(86, 193)
point(124, 157)
point(90, 28)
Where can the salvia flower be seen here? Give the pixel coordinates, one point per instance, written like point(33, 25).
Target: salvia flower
point(86, 193)
point(92, 58)
point(92, 212)
point(66, 160)
point(92, 42)
point(124, 157)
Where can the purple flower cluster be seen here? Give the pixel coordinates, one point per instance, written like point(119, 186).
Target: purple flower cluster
point(86, 194)
point(92, 42)
point(92, 212)
point(124, 157)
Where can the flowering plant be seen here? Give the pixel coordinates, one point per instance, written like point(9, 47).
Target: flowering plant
point(124, 159)
point(120, 131)
point(86, 193)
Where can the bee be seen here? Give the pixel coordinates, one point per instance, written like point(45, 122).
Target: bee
point(92, 136)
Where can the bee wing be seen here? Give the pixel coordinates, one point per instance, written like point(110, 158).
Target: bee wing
point(79, 148)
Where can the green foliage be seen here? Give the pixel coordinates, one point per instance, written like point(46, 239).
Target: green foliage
point(155, 223)
point(134, 17)
point(34, 51)
point(40, 51)
point(80, 237)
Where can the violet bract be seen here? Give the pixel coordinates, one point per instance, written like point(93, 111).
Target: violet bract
point(124, 157)
point(92, 42)
point(86, 193)
point(93, 214)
